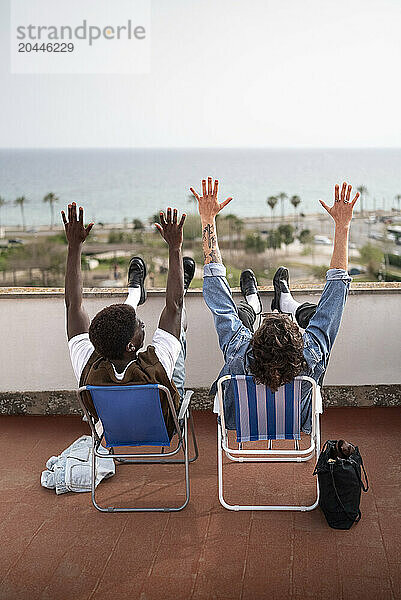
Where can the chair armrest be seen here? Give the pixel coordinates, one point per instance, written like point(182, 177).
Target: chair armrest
point(185, 404)
point(319, 401)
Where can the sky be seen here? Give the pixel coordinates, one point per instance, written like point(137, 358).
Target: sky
point(226, 73)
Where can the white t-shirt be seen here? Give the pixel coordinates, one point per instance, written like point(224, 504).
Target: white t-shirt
point(166, 345)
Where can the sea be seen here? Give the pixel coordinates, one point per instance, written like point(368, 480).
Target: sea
point(118, 185)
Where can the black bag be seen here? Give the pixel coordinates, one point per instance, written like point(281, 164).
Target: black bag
point(340, 483)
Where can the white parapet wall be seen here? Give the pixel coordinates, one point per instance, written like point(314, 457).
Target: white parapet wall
point(34, 354)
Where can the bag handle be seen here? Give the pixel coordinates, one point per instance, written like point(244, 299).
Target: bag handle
point(351, 517)
point(365, 486)
point(322, 451)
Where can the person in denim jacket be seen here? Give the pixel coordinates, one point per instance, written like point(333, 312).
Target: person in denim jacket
point(277, 352)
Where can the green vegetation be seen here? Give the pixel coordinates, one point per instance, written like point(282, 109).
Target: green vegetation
point(394, 260)
point(319, 271)
point(121, 261)
point(57, 238)
point(273, 239)
point(254, 244)
point(307, 250)
point(40, 259)
point(2, 203)
point(120, 237)
point(20, 201)
point(390, 276)
point(138, 225)
point(305, 236)
point(51, 199)
point(232, 226)
point(287, 234)
point(155, 218)
point(295, 201)
point(42, 263)
point(282, 196)
point(272, 201)
point(372, 257)
point(192, 227)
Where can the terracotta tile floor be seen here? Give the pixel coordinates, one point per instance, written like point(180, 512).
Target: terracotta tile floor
point(58, 548)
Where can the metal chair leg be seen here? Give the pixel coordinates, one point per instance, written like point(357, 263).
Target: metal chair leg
point(112, 509)
point(194, 441)
point(238, 507)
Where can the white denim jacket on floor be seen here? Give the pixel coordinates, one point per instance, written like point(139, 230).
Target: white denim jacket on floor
point(71, 470)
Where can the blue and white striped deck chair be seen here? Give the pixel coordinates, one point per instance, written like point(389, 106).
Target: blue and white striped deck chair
point(132, 416)
point(262, 415)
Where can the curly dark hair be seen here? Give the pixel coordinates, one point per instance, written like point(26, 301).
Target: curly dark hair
point(277, 351)
point(111, 330)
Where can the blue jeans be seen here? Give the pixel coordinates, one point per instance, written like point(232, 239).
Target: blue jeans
point(235, 338)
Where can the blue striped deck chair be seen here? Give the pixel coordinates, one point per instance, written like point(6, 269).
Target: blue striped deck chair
point(264, 416)
point(132, 416)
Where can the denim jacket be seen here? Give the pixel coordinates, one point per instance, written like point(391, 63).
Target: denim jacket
point(71, 470)
point(234, 337)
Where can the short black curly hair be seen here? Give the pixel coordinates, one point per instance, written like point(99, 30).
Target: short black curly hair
point(111, 330)
point(277, 352)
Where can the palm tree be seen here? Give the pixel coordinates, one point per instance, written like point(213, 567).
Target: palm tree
point(282, 196)
point(363, 190)
point(2, 203)
point(51, 199)
point(295, 200)
point(20, 201)
point(272, 201)
point(397, 198)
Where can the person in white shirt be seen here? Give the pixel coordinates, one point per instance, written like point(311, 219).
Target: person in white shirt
point(116, 333)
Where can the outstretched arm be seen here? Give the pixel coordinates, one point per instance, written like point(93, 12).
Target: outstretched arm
point(341, 212)
point(216, 291)
point(76, 234)
point(322, 330)
point(209, 207)
point(171, 231)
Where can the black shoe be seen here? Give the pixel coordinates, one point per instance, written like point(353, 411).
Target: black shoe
point(189, 271)
point(136, 276)
point(249, 286)
point(281, 283)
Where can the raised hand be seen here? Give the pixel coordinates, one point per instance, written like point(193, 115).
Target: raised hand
point(208, 204)
point(170, 230)
point(75, 231)
point(341, 211)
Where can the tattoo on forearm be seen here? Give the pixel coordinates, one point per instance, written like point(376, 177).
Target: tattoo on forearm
point(211, 252)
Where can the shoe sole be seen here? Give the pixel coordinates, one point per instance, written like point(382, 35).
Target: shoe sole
point(281, 273)
point(257, 292)
point(143, 291)
point(189, 261)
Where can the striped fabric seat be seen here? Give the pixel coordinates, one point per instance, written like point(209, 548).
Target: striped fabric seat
point(264, 415)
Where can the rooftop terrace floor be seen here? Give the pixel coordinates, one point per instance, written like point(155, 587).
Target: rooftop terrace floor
point(59, 547)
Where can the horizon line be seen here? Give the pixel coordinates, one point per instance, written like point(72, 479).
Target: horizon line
point(200, 148)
